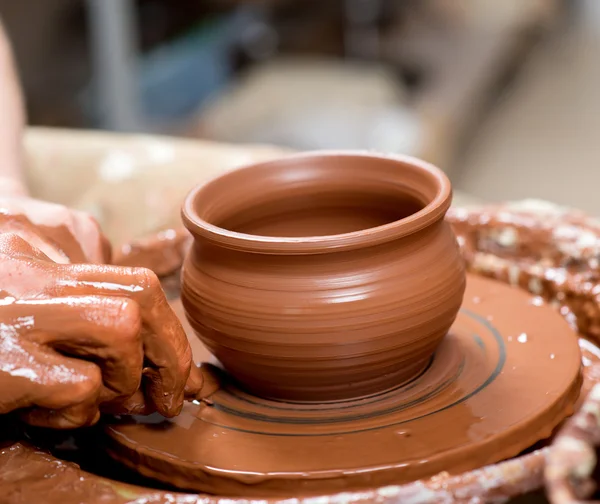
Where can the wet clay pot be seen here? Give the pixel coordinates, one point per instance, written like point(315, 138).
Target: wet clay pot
point(321, 277)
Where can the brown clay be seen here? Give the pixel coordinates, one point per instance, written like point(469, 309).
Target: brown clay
point(322, 276)
point(239, 444)
point(511, 478)
point(80, 338)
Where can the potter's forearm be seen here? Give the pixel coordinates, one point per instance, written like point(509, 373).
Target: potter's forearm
point(12, 122)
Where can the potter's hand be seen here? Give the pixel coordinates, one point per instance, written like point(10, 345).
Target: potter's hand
point(63, 234)
point(76, 339)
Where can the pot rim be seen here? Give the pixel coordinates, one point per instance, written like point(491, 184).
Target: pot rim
point(432, 212)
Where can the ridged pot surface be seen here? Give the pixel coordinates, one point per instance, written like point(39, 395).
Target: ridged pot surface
point(323, 276)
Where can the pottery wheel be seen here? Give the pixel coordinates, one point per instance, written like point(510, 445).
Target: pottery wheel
point(506, 375)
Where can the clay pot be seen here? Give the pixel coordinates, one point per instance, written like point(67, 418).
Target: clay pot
point(321, 277)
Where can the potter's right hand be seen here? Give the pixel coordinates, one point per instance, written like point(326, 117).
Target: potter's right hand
point(77, 339)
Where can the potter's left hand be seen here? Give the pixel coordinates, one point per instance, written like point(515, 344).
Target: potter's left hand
point(63, 234)
point(109, 328)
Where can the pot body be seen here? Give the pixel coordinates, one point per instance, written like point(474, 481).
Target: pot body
point(325, 323)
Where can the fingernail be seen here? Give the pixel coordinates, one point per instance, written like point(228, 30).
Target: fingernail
point(171, 405)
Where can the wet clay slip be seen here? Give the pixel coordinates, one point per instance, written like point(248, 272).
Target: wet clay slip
point(240, 444)
point(323, 277)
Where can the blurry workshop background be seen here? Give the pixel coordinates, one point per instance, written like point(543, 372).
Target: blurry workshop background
point(504, 96)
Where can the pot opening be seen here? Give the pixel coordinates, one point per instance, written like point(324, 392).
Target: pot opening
point(321, 214)
point(315, 203)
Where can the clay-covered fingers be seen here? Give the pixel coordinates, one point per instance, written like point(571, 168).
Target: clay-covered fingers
point(162, 252)
point(37, 217)
point(95, 245)
point(194, 383)
point(75, 235)
point(71, 417)
point(20, 226)
point(13, 246)
point(167, 354)
point(101, 329)
point(48, 389)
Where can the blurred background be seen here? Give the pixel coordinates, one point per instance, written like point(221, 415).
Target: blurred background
point(502, 95)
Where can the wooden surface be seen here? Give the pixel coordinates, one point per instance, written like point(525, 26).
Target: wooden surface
point(133, 184)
